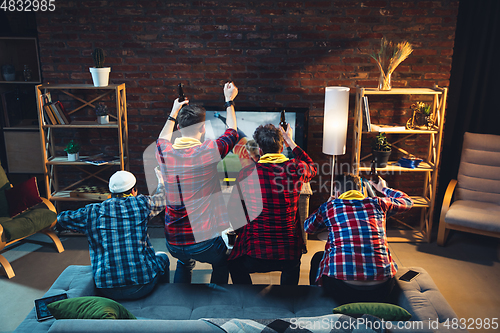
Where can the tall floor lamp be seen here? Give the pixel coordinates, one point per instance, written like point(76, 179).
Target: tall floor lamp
point(335, 123)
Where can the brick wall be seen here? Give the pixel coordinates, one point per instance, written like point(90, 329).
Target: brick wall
point(279, 53)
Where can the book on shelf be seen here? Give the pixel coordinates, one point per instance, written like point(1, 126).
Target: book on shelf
point(387, 128)
point(48, 111)
point(99, 159)
point(64, 114)
point(366, 127)
point(54, 109)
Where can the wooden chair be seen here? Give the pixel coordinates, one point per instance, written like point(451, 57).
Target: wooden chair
point(472, 201)
point(40, 218)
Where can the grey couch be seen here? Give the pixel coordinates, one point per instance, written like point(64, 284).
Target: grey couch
point(179, 307)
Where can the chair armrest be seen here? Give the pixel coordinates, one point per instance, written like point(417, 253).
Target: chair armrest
point(3, 241)
point(49, 204)
point(51, 207)
point(450, 190)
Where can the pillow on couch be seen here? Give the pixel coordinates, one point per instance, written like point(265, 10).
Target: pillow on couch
point(384, 311)
point(89, 307)
point(23, 196)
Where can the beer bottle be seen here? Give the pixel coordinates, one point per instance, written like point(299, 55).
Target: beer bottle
point(283, 123)
point(373, 173)
point(181, 93)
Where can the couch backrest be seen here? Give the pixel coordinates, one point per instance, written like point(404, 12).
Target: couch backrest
point(479, 172)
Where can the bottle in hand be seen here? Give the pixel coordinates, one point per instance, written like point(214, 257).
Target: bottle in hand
point(373, 173)
point(182, 97)
point(283, 123)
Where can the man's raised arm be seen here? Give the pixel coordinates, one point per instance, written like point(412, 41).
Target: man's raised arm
point(166, 132)
point(230, 93)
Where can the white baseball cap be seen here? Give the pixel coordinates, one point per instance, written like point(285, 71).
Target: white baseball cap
point(121, 181)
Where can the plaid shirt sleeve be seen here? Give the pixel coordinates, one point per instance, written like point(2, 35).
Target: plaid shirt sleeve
point(306, 167)
point(315, 222)
point(226, 142)
point(76, 220)
point(396, 201)
point(158, 201)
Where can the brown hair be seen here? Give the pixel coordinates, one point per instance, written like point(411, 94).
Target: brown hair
point(347, 182)
point(190, 115)
point(269, 138)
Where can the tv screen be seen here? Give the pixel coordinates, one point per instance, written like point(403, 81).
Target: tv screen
point(247, 121)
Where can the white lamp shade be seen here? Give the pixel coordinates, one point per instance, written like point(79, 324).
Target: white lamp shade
point(335, 120)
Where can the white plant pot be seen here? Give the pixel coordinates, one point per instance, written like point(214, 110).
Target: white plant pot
point(100, 76)
point(103, 119)
point(73, 157)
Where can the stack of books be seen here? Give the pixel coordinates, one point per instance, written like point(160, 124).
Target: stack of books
point(54, 112)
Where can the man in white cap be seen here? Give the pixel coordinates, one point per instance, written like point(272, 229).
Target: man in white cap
point(123, 261)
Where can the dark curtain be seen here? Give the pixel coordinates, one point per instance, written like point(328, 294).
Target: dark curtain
point(474, 92)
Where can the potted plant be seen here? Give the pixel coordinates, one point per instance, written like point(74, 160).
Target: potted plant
point(73, 148)
point(102, 114)
point(422, 117)
point(100, 74)
point(381, 150)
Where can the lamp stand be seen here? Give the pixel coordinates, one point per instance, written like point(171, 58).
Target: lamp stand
point(334, 157)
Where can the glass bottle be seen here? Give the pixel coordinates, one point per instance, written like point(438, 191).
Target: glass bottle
point(27, 73)
point(373, 173)
point(283, 121)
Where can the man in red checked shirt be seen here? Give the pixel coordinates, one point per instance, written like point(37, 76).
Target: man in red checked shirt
point(356, 265)
point(272, 238)
point(196, 213)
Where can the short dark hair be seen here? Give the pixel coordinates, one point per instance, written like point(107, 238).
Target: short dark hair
point(123, 194)
point(190, 115)
point(269, 138)
point(347, 182)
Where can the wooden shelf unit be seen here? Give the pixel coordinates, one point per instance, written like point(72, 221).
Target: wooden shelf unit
point(47, 132)
point(429, 166)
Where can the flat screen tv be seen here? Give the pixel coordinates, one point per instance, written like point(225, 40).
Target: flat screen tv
point(248, 119)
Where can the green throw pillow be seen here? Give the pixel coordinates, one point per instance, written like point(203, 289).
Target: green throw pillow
point(384, 311)
point(89, 307)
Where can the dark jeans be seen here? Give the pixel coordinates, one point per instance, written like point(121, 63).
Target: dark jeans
point(241, 268)
point(212, 251)
point(141, 290)
point(348, 293)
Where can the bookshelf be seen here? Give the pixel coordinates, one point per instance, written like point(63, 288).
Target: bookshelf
point(429, 166)
point(48, 132)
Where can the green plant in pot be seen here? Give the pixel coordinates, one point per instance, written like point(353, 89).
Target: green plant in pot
point(100, 74)
point(101, 111)
point(381, 150)
point(73, 149)
point(422, 117)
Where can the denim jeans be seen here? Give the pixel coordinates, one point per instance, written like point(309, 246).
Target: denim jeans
point(141, 290)
point(241, 268)
point(212, 251)
point(347, 293)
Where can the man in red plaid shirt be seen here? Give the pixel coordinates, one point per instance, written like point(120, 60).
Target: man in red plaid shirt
point(196, 213)
point(356, 265)
point(272, 239)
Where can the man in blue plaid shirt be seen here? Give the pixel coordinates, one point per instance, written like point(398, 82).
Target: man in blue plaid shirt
point(356, 265)
point(123, 261)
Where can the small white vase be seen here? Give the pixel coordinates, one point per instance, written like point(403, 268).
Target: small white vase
point(100, 76)
point(73, 157)
point(103, 119)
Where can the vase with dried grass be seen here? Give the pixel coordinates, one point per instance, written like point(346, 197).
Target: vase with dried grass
point(388, 58)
